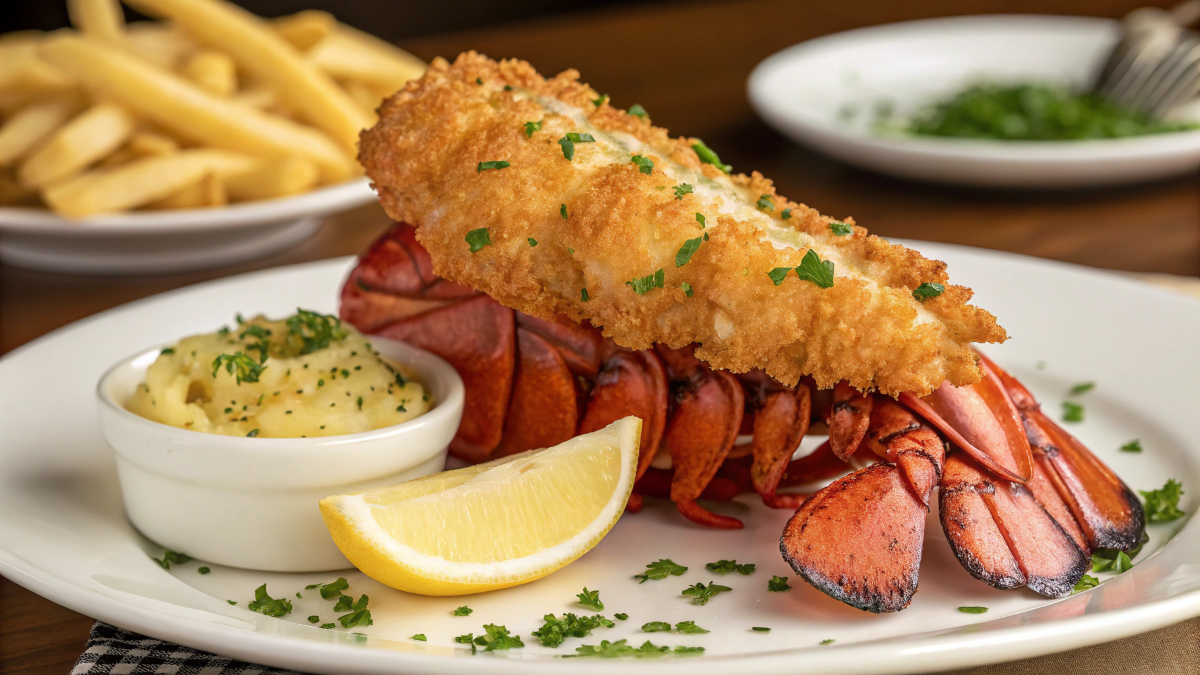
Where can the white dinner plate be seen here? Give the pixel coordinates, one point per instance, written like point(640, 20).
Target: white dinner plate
point(158, 242)
point(63, 533)
point(823, 93)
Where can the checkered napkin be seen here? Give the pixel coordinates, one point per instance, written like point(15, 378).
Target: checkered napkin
point(112, 651)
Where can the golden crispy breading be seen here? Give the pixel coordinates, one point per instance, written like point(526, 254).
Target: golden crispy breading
point(625, 221)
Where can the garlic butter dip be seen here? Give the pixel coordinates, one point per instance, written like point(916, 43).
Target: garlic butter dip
point(304, 376)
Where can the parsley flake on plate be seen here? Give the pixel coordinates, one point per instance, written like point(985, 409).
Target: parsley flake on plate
point(928, 290)
point(682, 189)
point(661, 570)
point(778, 584)
point(973, 610)
point(760, 629)
point(1072, 412)
point(590, 599)
point(496, 164)
point(840, 229)
point(419, 637)
point(467, 639)
point(252, 433)
point(1132, 446)
point(314, 619)
point(688, 627)
point(638, 111)
point(644, 164)
point(686, 288)
point(265, 604)
point(827, 641)
point(707, 156)
point(685, 253)
point(462, 611)
point(531, 127)
point(554, 630)
point(497, 637)
point(647, 283)
point(359, 614)
point(818, 271)
point(232, 602)
point(203, 570)
point(172, 558)
point(1081, 388)
point(656, 627)
point(701, 594)
point(242, 366)
point(1088, 581)
point(764, 203)
point(1162, 505)
point(727, 566)
point(1109, 560)
point(327, 626)
point(344, 603)
point(621, 616)
point(479, 238)
point(610, 650)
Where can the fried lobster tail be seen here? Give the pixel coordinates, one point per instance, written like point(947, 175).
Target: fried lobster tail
point(543, 196)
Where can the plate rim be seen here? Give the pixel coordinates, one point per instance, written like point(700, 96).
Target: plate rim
point(291, 651)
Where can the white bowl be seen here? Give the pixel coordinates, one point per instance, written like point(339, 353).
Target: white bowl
point(155, 242)
point(802, 91)
point(252, 502)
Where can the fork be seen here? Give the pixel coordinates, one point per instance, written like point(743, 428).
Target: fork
point(1156, 64)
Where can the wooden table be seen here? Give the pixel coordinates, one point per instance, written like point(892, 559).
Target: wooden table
point(687, 63)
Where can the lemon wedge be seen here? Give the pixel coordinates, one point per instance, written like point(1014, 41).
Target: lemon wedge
point(492, 525)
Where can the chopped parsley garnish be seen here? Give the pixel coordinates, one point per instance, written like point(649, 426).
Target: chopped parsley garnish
point(494, 164)
point(1132, 446)
point(647, 283)
point(760, 629)
point(777, 275)
point(621, 616)
point(568, 143)
point(532, 242)
point(764, 203)
point(583, 294)
point(1110, 560)
point(327, 626)
point(1162, 505)
point(590, 599)
point(727, 566)
point(555, 630)
point(203, 570)
point(232, 602)
point(656, 627)
point(1088, 581)
point(359, 614)
point(479, 80)
point(497, 637)
point(926, 291)
point(680, 649)
point(684, 255)
point(827, 641)
point(702, 220)
point(682, 189)
point(243, 367)
point(252, 433)
point(332, 589)
point(468, 639)
point(839, 228)
point(688, 627)
point(531, 127)
point(778, 584)
point(786, 214)
point(463, 611)
point(707, 156)
point(1072, 412)
point(701, 594)
point(562, 211)
point(360, 403)
point(172, 558)
point(265, 604)
point(479, 238)
point(167, 352)
point(813, 269)
point(310, 331)
point(686, 288)
point(638, 111)
point(612, 650)
point(314, 619)
point(644, 164)
point(973, 610)
point(600, 101)
point(419, 637)
point(661, 570)
point(1082, 388)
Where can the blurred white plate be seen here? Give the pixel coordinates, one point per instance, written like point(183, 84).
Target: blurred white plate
point(155, 242)
point(63, 533)
point(805, 92)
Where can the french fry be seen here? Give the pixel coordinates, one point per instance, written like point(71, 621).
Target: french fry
point(260, 98)
point(13, 193)
point(33, 124)
point(140, 182)
point(213, 71)
point(305, 29)
point(22, 70)
point(100, 19)
point(348, 54)
point(208, 192)
point(272, 179)
point(259, 50)
point(188, 111)
point(88, 137)
point(159, 43)
point(147, 143)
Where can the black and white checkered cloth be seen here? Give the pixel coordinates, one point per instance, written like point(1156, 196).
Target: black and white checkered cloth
point(112, 651)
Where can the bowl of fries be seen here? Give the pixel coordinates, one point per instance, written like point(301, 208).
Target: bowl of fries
point(206, 137)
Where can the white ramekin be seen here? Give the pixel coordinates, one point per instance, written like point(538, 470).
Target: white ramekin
point(252, 502)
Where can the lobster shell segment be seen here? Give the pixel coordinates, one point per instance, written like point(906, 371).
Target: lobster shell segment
point(630, 383)
point(849, 418)
point(859, 539)
point(896, 435)
point(542, 410)
point(779, 425)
